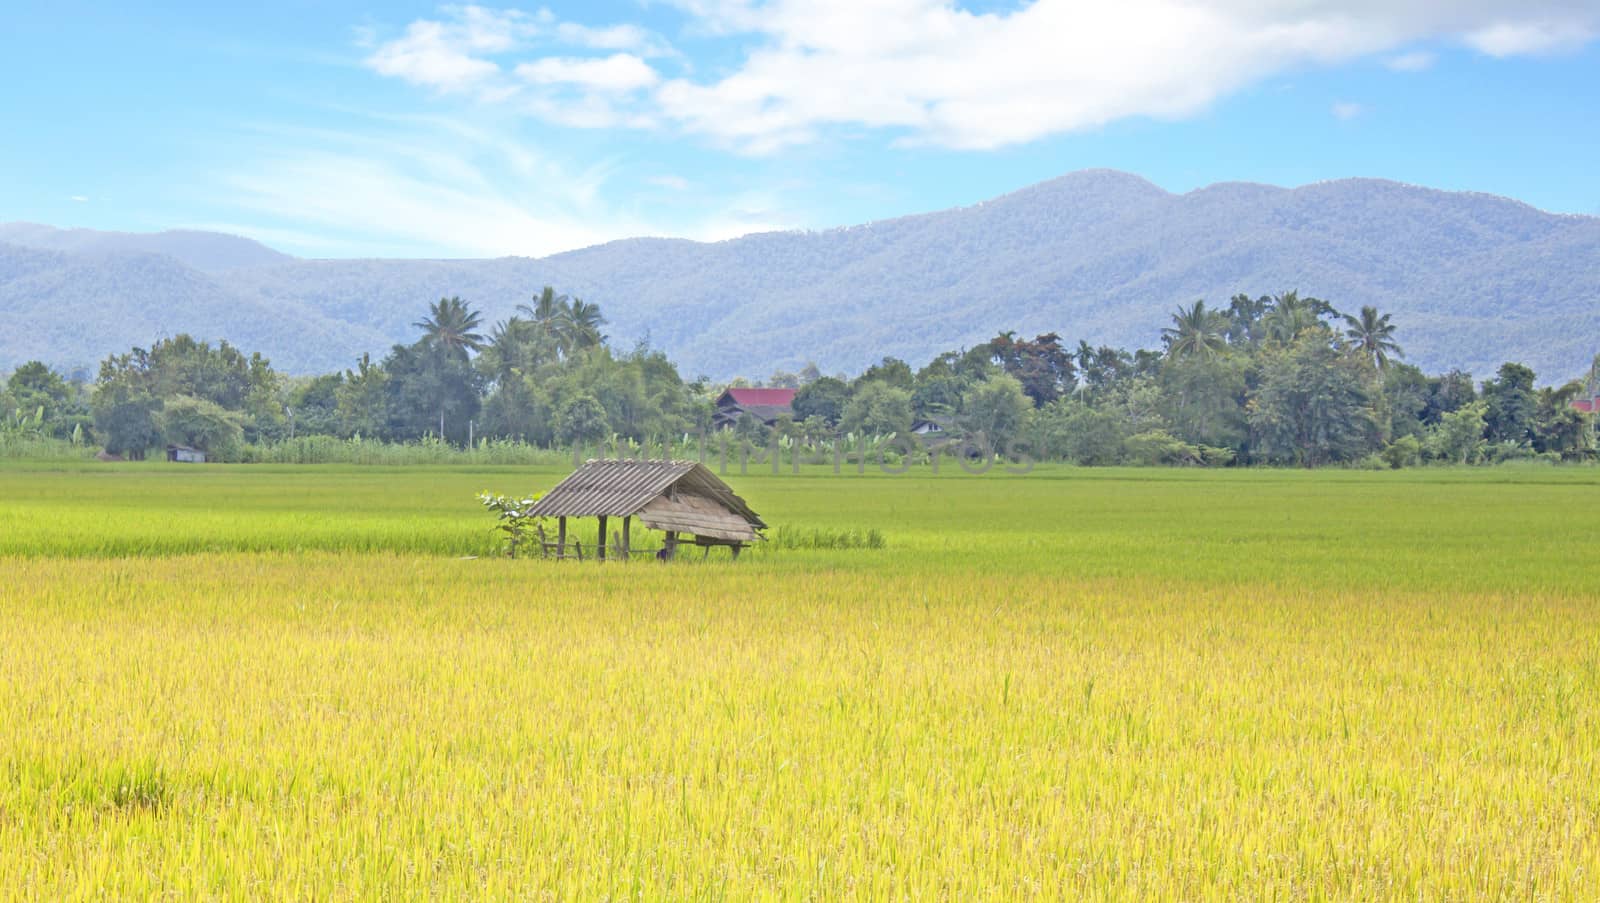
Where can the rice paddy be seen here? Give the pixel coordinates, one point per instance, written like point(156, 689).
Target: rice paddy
point(269, 682)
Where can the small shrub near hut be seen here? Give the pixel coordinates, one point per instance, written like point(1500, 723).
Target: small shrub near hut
point(516, 522)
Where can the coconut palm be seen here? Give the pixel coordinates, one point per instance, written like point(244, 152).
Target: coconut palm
point(1373, 335)
point(1289, 317)
point(1195, 333)
point(551, 314)
point(513, 346)
point(583, 324)
point(548, 307)
point(451, 323)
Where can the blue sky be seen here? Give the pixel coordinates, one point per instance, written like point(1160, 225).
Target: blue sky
point(342, 129)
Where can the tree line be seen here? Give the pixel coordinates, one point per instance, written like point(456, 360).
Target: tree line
point(1283, 380)
point(1274, 379)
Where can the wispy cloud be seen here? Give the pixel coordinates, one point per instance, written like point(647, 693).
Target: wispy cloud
point(81, 199)
point(426, 185)
point(1415, 61)
point(1346, 110)
point(930, 71)
point(618, 73)
point(1518, 35)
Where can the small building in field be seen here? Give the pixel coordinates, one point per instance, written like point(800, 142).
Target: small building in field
point(683, 499)
point(932, 428)
point(765, 405)
point(183, 454)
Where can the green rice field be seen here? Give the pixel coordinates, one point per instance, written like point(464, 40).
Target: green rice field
point(321, 682)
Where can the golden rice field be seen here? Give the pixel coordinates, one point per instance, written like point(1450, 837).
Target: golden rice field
point(259, 682)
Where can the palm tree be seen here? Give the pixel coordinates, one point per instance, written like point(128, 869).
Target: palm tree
point(513, 346)
point(450, 324)
point(1374, 336)
point(1195, 333)
point(583, 325)
point(549, 314)
point(1290, 316)
point(548, 307)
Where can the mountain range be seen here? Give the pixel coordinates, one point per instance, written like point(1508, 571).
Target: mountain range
point(1471, 279)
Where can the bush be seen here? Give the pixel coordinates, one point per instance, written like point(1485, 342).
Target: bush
point(1160, 447)
point(1405, 451)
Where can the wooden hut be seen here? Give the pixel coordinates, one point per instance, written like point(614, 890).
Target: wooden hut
point(183, 454)
point(683, 499)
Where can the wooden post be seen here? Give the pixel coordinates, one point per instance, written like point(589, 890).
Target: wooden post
point(627, 546)
point(671, 545)
point(736, 547)
point(561, 538)
point(601, 554)
point(579, 544)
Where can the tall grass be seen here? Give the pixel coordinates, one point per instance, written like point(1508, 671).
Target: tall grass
point(431, 450)
point(19, 447)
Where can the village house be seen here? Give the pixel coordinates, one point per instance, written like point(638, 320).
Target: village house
point(765, 405)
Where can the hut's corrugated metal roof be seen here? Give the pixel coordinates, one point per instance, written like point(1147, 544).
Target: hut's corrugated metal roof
point(619, 488)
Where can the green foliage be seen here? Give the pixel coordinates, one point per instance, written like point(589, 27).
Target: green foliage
point(581, 419)
point(1195, 334)
point(1042, 368)
point(515, 522)
point(450, 326)
point(430, 387)
point(128, 423)
point(824, 397)
point(1203, 397)
point(997, 410)
point(1313, 405)
point(877, 408)
point(1158, 447)
point(1405, 451)
point(202, 424)
point(1373, 337)
point(1084, 435)
point(1458, 437)
point(891, 371)
point(1510, 405)
point(1270, 380)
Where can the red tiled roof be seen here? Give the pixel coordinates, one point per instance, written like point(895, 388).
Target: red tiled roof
point(1587, 405)
point(747, 397)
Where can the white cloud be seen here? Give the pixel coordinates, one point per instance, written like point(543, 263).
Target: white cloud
point(426, 186)
point(669, 182)
point(612, 37)
point(618, 73)
point(449, 56)
point(78, 198)
point(1415, 61)
point(1514, 38)
point(930, 71)
point(1347, 110)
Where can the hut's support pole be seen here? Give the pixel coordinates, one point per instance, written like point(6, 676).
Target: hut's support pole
point(561, 537)
point(627, 544)
point(601, 553)
point(671, 545)
point(736, 547)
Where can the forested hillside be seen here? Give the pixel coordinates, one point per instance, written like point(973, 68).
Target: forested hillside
point(1102, 255)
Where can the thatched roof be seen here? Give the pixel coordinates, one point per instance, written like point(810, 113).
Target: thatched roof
point(681, 496)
